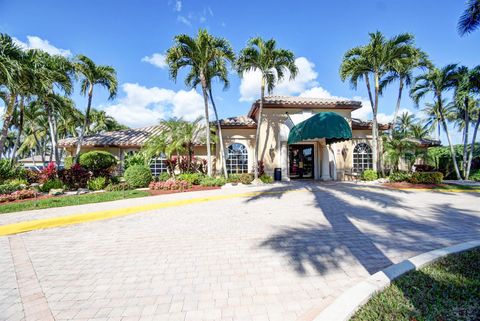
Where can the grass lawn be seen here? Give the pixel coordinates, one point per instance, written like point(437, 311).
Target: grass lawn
point(459, 187)
point(69, 200)
point(449, 289)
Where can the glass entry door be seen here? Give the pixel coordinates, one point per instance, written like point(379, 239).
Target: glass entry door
point(301, 161)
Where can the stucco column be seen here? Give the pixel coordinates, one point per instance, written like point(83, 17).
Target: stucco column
point(325, 164)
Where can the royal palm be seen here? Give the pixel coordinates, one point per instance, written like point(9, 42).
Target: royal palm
point(199, 54)
point(273, 64)
point(91, 75)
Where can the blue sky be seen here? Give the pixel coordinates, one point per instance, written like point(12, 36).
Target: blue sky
point(127, 34)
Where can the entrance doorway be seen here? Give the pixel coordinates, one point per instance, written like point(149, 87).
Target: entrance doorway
point(301, 161)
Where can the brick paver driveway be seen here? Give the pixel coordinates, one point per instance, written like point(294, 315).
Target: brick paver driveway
point(277, 256)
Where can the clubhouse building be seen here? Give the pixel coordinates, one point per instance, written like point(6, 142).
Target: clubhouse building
point(303, 138)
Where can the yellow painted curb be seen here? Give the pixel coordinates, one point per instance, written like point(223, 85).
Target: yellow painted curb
point(106, 214)
point(424, 189)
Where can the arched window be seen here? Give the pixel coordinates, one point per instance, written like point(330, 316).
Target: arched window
point(362, 158)
point(237, 159)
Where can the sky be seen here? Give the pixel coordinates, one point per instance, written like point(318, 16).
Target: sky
point(133, 36)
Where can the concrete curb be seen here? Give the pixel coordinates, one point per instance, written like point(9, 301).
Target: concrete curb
point(345, 306)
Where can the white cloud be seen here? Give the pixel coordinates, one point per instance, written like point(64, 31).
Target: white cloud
point(178, 5)
point(386, 118)
point(34, 42)
point(305, 79)
point(184, 20)
point(157, 59)
point(144, 106)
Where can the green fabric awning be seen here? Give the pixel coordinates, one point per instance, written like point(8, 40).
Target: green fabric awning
point(331, 126)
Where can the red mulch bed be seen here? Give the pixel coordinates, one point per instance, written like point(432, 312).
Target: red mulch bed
point(194, 188)
point(394, 185)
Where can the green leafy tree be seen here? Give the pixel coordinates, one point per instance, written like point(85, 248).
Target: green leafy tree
point(91, 75)
point(199, 54)
point(273, 63)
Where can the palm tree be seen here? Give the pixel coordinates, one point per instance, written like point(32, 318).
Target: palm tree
point(216, 70)
point(177, 137)
point(91, 75)
point(475, 115)
point(273, 63)
point(437, 81)
point(404, 123)
point(101, 122)
point(396, 147)
point(432, 117)
point(402, 70)
point(375, 60)
point(199, 54)
point(470, 19)
point(11, 69)
point(467, 84)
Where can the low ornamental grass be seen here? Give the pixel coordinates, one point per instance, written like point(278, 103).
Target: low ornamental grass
point(69, 200)
point(448, 289)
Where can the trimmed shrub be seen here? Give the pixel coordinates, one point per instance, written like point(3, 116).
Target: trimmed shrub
point(170, 185)
point(426, 178)
point(75, 177)
point(133, 159)
point(97, 183)
point(246, 178)
point(192, 178)
point(233, 178)
point(399, 177)
point(8, 188)
point(117, 187)
point(213, 181)
point(267, 179)
point(138, 176)
point(369, 175)
point(51, 184)
point(100, 163)
point(163, 177)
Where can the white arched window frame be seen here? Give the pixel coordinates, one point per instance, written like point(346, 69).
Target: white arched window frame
point(237, 159)
point(362, 158)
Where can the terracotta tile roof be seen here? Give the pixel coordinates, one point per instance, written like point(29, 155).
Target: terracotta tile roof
point(303, 102)
point(127, 138)
point(424, 142)
point(362, 124)
point(239, 121)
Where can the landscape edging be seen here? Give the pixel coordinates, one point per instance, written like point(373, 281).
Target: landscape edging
point(345, 306)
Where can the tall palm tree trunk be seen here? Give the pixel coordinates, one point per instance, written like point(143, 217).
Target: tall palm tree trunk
point(369, 89)
point(7, 119)
point(375, 152)
point(257, 134)
point(53, 133)
point(472, 147)
point(397, 107)
point(219, 127)
point(86, 122)
point(20, 128)
point(207, 122)
point(452, 150)
point(465, 138)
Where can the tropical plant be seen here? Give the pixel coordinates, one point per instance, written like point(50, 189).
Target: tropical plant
point(273, 64)
point(97, 183)
point(375, 60)
point(100, 163)
point(201, 54)
point(470, 19)
point(178, 137)
point(369, 175)
point(436, 81)
point(404, 123)
point(396, 147)
point(91, 75)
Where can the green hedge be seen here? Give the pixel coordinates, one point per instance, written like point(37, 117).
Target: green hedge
point(100, 163)
point(138, 176)
point(192, 178)
point(475, 175)
point(51, 184)
point(369, 175)
point(212, 181)
point(267, 179)
point(399, 177)
point(426, 178)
